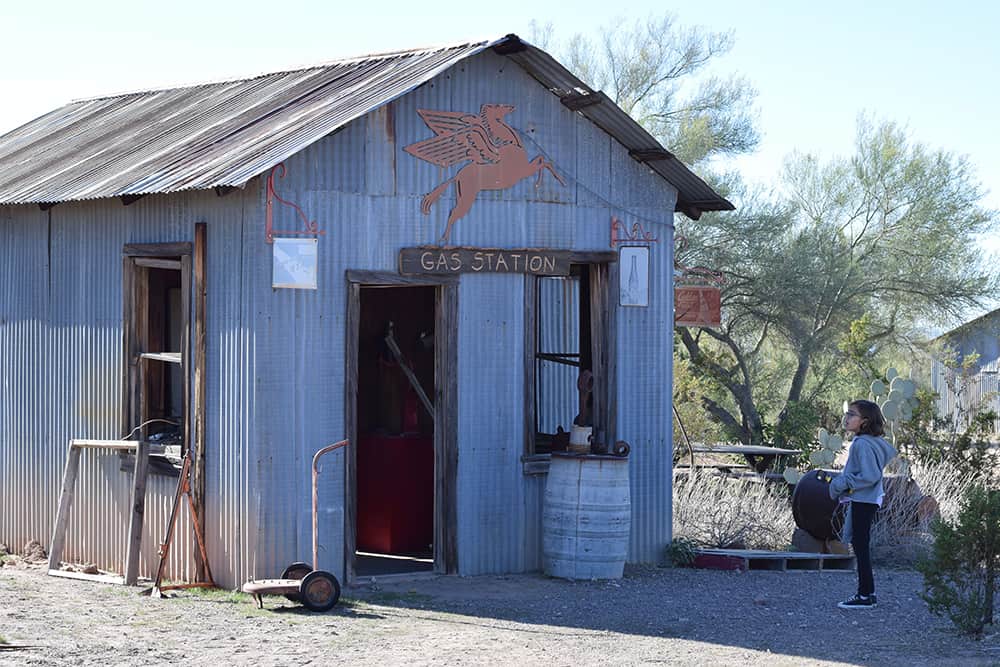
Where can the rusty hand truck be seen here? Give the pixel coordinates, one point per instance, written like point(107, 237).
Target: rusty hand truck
point(316, 589)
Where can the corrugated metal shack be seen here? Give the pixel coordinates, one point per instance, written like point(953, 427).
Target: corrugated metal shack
point(960, 396)
point(215, 268)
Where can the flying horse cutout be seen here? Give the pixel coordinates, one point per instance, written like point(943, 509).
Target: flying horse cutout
point(496, 156)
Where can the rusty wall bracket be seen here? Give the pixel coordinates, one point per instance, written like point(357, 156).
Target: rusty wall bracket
point(311, 226)
point(637, 236)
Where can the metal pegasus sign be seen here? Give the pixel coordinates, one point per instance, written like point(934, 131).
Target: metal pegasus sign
point(496, 156)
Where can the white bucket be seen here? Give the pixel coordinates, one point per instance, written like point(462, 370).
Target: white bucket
point(587, 517)
point(579, 439)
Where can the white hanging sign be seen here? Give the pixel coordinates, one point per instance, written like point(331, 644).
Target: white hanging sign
point(295, 263)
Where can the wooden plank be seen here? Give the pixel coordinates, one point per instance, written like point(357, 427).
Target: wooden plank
point(186, 350)
point(751, 559)
point(128, 341)
point(598, 284)
point(386, 279)
point(97, 578)
point(157, 249)
point(449, 261)
point(134, 543)
point(199, 354)
point(537, 464)
point(411, 377)
point(124, 445)
point(169, 357)
point(158, 263)
point(743, 449)
point(352, 334)
point(595, 257)
point(70, 474)
point(530, 347)
point(610, 351)
point(140, 344)
point(446, 431)
point(844, 562)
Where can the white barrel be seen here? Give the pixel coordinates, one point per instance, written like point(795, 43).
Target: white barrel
point(586, 517)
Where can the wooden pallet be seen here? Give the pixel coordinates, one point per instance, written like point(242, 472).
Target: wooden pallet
point(747, 559)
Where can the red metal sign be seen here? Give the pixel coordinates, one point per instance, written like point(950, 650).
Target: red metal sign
point(492, 147)
point(697, 306)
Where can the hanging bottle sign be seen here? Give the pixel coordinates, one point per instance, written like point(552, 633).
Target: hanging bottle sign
point(697, 306)
point(633, 282)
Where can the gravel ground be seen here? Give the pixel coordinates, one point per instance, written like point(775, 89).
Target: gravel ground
point(668, 616)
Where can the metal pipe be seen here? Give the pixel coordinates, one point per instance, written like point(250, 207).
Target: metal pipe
point(315, 478)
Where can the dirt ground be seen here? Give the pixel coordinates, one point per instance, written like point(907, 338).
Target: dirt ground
point(653, 615)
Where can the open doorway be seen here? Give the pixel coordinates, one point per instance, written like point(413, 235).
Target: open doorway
point(395, 482)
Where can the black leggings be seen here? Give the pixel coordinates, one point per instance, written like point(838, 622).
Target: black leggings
point(862, 515)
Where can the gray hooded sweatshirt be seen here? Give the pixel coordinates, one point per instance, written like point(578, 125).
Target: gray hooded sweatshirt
point(861, 479)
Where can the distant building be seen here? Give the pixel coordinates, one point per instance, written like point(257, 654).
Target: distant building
point(960, 397)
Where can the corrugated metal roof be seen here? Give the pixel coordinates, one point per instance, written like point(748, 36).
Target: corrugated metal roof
point(225, 133)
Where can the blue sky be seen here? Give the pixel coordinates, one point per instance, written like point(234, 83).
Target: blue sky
point(930, 66)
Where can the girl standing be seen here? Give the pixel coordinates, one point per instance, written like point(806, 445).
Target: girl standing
point(860, 485)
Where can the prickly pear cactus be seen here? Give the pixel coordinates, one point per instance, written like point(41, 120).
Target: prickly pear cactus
point(829, 445)
point(898, 400)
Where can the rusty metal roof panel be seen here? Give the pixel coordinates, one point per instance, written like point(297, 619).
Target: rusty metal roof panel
point(201, 136)
point(225, 133)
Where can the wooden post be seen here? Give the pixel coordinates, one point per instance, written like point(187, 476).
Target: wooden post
point(138, 513)
point(199, 353)
point(351, 345)
point(65, 504)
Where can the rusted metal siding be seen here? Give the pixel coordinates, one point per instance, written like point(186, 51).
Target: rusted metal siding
point(276, 357)
point(499, 508)
point(645, 369)
point(61, 342)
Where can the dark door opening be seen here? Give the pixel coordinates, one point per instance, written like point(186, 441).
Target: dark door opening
point(395, 426)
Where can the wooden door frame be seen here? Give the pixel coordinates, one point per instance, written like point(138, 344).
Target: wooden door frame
point(445, 398)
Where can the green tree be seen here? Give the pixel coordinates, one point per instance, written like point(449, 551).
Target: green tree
point(657, 71)
point(887, 238)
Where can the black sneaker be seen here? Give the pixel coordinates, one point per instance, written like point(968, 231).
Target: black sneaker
point(859, 602)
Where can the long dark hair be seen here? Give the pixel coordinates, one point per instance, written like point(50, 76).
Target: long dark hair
point(872, 421)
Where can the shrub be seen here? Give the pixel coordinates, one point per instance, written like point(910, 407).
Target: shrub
point(960, 575)
point(719, 512)
point(681, 552)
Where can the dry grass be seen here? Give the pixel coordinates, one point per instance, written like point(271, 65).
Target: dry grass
point(715, 511)
point(900, 535)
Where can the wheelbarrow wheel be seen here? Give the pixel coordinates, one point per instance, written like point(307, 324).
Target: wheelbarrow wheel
point(295, 571)
point(319, 591)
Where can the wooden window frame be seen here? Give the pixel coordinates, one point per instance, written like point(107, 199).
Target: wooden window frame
point(603, 276)
point(137, 259)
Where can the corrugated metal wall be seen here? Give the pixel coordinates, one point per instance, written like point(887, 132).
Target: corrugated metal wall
point(61, 341)
point(276, 357)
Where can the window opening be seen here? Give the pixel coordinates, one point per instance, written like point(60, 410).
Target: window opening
point(156, 324)
point(563, 350)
